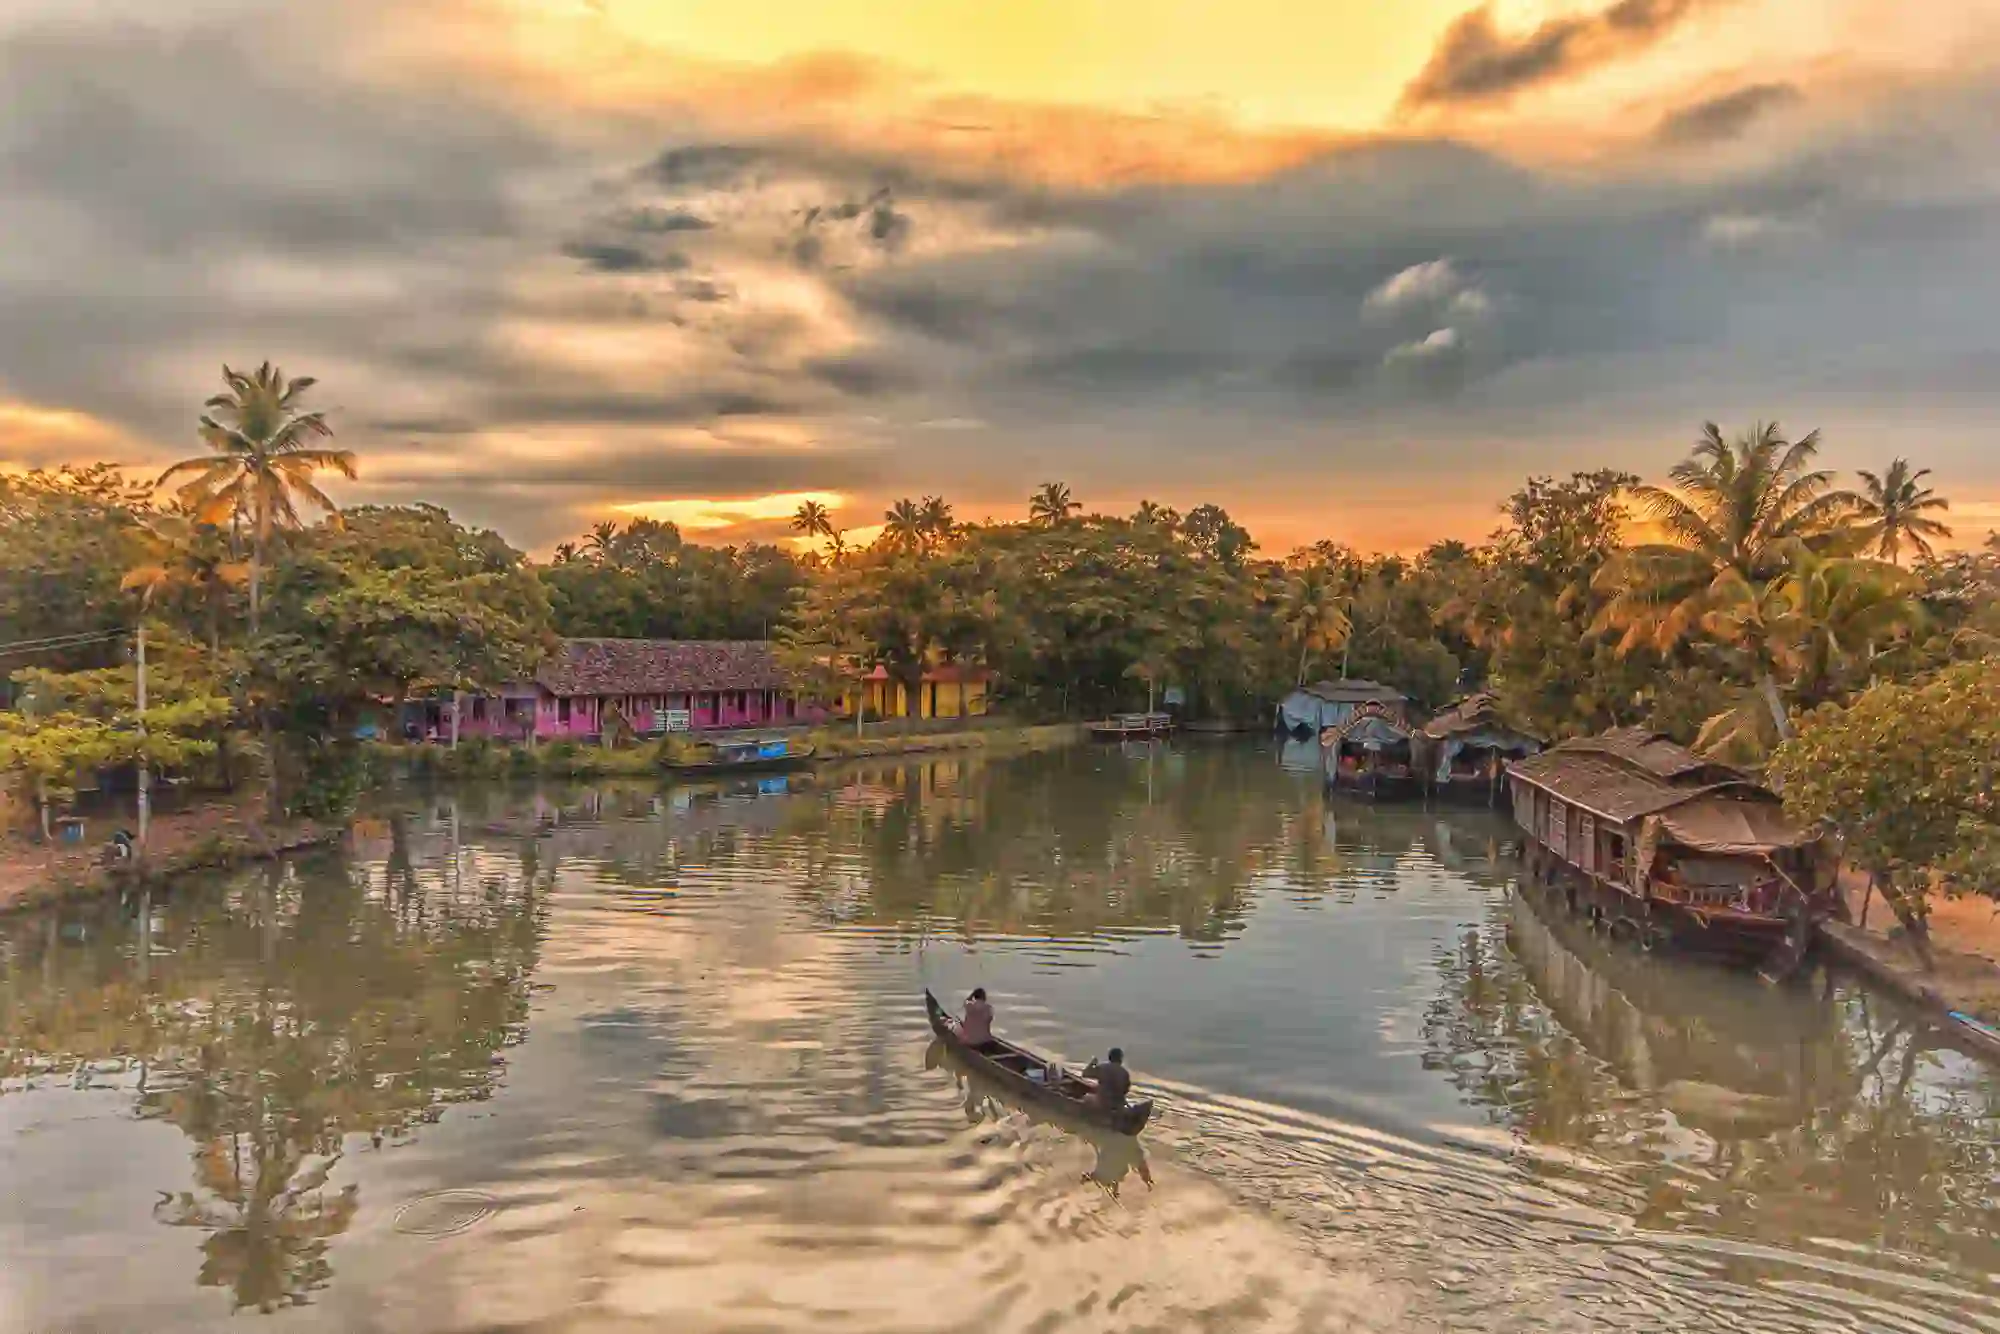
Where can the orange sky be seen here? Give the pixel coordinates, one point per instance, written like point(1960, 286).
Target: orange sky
point(557, 260)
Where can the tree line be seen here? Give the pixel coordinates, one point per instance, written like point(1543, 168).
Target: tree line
point(1750, 604)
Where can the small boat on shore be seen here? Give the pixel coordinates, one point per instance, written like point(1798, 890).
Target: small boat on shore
point(1034, 1078)
point(1975, 1034)
point(740, 754)
point(1124, 726)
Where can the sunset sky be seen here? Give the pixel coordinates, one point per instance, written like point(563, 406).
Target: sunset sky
point(1350, 268)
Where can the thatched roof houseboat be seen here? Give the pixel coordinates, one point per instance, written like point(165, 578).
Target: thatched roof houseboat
point(1463, 753)
point(1670, 848)
point(1364, 731)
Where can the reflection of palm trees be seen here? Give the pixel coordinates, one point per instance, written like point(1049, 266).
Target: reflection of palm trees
point(1822, 1120)
point(287, 1010)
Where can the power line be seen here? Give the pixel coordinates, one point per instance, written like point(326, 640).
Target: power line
point(51, 643)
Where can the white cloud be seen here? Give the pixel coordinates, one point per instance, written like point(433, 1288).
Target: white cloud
point(1434, 280)
point(1438, 343)
point(1472, 303)
point(1734, 231)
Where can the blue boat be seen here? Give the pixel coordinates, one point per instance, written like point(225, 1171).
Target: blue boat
point(751, 752)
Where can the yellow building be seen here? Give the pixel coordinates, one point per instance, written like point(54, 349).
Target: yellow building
point(949, 690)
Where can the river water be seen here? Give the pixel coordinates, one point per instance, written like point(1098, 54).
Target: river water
point(654, 1059)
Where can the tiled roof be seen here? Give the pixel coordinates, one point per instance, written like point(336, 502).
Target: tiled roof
point(1599, 783)
point(1650, 751)
point(660, 666)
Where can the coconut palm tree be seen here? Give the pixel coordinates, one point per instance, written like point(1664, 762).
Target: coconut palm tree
point(1736, 514)
point(1895, 510)
point(939, 523)
point(903, 527)
point(1823, 624)
point(566, 552)
point(261, 462)
point(1052, 505)
point(1314, 612)
point(184, 553)
point(601, 543)
point(812, 520)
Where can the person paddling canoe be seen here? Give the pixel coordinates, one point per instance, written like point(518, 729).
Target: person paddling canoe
point(975, 1026)
point(1109, 1080)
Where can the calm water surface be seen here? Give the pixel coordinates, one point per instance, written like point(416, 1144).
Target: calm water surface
point(582, 1060)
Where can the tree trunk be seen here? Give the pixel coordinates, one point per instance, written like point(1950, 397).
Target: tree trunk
point(274, 792)
point(1767, 686)
point(911, 683)
point(1915, 923)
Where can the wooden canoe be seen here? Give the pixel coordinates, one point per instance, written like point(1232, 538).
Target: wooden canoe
point(1008, 1065)
point(745, 756)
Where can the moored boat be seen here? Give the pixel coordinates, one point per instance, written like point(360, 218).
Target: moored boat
point(737, 754)
point(1670, 849)
point(1034, 1078)
point(1121, 726)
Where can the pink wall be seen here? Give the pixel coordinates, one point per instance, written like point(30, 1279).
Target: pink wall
point(585, 714)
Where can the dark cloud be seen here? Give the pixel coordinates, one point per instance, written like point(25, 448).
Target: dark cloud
point(864, 376)
point(665, 220)
point(1724, 117)
point(610, 257)
point(557, 406)
point(1474, 62)
point(652, 470)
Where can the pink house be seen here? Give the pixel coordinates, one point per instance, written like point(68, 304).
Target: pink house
point(651, 683)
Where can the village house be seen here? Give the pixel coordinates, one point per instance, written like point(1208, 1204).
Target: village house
point(644, 686)
point(948, 690)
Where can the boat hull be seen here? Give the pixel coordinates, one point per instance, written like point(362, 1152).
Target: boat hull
point(1656, 923)
point(1128, 1120)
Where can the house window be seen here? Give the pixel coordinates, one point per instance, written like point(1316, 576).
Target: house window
point(478, 709)
point(562, 709)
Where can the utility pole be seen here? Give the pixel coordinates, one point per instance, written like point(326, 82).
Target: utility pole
point(145, 776)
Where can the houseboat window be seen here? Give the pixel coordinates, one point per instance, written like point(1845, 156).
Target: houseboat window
point(1558, 831)
point(1614, 855)
point(1586, 843)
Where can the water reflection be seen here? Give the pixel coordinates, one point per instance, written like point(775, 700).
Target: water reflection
point(1400, 1096)
point(987, 1099)
point(270, 1017)
point(1815, 1115)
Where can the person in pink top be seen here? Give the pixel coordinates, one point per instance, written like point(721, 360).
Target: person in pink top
point(976, 1027)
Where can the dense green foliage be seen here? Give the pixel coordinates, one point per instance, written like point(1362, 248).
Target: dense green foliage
point(1757, 592)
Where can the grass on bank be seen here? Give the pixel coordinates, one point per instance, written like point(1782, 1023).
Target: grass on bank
point(480, 757)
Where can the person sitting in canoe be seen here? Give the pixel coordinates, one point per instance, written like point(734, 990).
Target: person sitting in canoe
point(975, 1028)
point(1109, 1081)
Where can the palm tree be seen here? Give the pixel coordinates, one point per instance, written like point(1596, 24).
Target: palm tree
point(262, 461)
point(1736, 514)
point(1052, 505)
point(812, 519)
point(939, 524)
point(903, 527)
point(602, 542)
point(1895, 509)
point(1826, 621)
point(566, 552)
point(1314, 611)
point(183, 552)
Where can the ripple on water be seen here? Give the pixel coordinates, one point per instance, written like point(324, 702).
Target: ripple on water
point(445, 1213)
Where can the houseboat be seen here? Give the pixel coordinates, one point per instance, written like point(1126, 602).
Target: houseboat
point(1131, 726)
point(1367, 746)
point(1665, 848)
point(1463, 753)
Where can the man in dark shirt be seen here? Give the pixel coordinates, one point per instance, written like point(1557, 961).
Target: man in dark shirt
point(1110, 1081)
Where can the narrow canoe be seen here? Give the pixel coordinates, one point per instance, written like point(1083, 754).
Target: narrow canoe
point(745, 757)
point(1975, 1033)
point(1008, 1065)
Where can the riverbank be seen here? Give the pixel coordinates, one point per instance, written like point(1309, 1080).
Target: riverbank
point(1965, 950)
point(653, 759)
point(218, 833)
